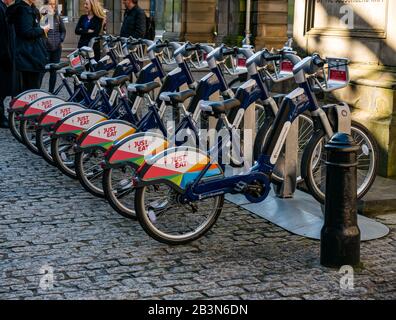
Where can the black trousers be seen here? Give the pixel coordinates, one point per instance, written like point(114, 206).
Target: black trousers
point(30, 80)
point(54, 57)
point(6, 82)
point(97, 51)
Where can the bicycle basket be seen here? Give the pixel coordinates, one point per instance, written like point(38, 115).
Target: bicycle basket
point(335, 75)
point(235, 65)
point(76, 60)
point(282, 70)
point(198, 60)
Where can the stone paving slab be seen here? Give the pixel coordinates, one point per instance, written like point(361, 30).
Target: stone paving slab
point(47, 222)
point(381, 198)
point(302, 215)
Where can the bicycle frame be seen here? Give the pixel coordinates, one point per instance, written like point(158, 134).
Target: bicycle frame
point(294, 104)
point(153, 118)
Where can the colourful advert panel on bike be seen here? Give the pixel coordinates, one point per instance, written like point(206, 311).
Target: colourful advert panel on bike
point(179, 166)
point(104, 134)
point(53, 115)
point(136, 149)
point(79, 121)
point(27, 97)
point(37, 107)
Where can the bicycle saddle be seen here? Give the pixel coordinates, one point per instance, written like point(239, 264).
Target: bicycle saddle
point(92, 76)
point(56, 66)
point(143, 88)
point(113, 82)
point(177, 97)
point(70, 71)
point(218, 107)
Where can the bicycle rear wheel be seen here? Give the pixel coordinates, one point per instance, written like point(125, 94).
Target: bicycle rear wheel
point(119, 190)
point(163, 217)
point(43, 143)
point(89, 171)
point(14, 125)
point(28, 130)
point(63, 154)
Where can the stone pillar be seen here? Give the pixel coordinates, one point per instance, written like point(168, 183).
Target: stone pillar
point(270, 23)
point(198, 23)
point(364, 32)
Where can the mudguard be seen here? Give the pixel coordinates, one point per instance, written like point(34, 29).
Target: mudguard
point(19, 102)
point(177, 167)
point(34, 109)
point(58, 112)
point(135, 149)
point(103, 135)
point(75, 123)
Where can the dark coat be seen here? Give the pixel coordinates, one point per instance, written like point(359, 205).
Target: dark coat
point(95, 24)
point(134, 23)
point(30, 50)
point(5, 50)
point(56, 35)
point(7, 61)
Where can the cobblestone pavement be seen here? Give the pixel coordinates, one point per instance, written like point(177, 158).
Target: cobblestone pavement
point(47, 222)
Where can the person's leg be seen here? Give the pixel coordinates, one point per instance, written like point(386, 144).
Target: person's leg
point(5, 90)
point(53, 58)
point(2, 96)
point(30, 80)
point(40, 80)
point(97, 51)
point(37, 78)
point(3, 119)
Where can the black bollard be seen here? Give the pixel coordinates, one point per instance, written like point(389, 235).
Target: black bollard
point(340, 235)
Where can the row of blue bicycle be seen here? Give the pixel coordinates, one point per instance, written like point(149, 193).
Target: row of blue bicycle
point(134, 128)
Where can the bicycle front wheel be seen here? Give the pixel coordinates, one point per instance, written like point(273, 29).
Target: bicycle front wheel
point(165, 219)
point(313, 165)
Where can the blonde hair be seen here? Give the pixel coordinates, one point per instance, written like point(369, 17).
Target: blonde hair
point(97, 9)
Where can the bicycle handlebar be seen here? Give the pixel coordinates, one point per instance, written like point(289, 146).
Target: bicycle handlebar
point(318, 61)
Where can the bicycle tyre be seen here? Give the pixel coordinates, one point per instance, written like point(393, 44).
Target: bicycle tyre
point(56, 156)
point(113, 200)
point(309, 153)
point(14, 125)
point(24, 136)
point(42, 149)
point(82, 176)
point(148, 227)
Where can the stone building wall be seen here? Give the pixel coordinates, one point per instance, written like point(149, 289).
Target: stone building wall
point(369, 41)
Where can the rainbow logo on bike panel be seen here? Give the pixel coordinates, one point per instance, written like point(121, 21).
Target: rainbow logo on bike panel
point(180, 166)
point(137, 148)
point(106, 133)
point(79, 122)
